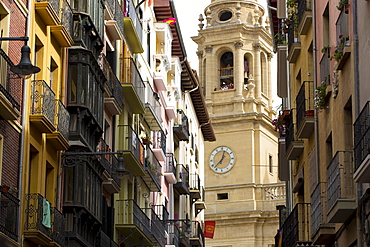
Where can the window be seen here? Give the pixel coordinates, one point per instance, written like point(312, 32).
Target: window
point(225, 15)
point(270, 163)
point(223, 196)
point(4, 32)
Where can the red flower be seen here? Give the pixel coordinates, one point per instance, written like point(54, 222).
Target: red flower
point(340, 36)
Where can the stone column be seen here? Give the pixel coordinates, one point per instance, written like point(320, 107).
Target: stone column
point(239, 69)
point(269, 82)
point(257, 70)
point(210, 72)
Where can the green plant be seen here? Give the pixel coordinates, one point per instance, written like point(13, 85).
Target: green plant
point(325, 49)
point(338, 52)
point(281, 121)
point(342, 4)
point(320, 96)
point(292, 6)
point(280, 38)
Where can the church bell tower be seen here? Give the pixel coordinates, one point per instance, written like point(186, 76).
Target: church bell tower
point(241, 177)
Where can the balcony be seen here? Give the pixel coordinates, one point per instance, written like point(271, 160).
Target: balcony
point(196, 236)
point(161, 212)
point(181, 127)
point(294, 147)
point(110, 163)
point(153, 170)
point(322, 233)
point(133, 28)
point(10, 89)
point(173, 234)
point(343, 35)
point(195, 188)
point(113, 90)
point(106, 241)
point(341, 188)
point(159, 145)
point(305, 110)
point(59, 138)
point(199, 204)
point(133, 150)
point(9, 206)
point(44, 225)
point(325, 67)
point(113, 19)
point(295, 229)
point(132, 222)
point(304, 16)
point(362, 146)
point(133, 87)
point(170, 169)
point(42, 107)
point(182, 177)
point(158, 229)
point(58, 15)
point(294, 43)
point(153, 109)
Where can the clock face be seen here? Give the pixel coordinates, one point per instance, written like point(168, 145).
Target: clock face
point(221, 159)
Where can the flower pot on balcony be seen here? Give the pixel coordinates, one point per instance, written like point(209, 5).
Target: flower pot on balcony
point(310, 113)
point(146, 141)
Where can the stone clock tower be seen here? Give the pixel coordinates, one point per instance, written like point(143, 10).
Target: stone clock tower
point(241, 180)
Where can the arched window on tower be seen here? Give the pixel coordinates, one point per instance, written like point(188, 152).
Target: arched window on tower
point(226, 71)
point(263, 73)
point(248, 69)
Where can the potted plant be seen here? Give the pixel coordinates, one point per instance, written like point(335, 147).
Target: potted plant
point(281, 121)
point(343, 5)
point(320, 96)
point(326, 50)
point(5, 188)
point(145, 140)
point(338, 52)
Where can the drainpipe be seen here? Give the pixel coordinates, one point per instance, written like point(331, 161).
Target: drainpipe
point(25, 123)
point(316, 125)
point(356, 93)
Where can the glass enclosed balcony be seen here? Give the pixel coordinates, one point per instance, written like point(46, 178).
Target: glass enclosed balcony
point(159, 144)
point(153, 108)
point(153, 170)
point(181, 126)
point(133, 27)
point(294, 146)
point(182, 177)
point(170, 169)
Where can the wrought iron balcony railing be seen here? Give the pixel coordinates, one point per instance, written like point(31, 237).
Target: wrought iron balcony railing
point(38, 214)
point(173, 234)
point(289, 131)
point(131, 13)
point(325, 67)
point(132, 76)
point(116, 10)
point(58, 227)
point(303, 6)
point(197, 232)
point(293, 36)
point(305, 101)
point(9, 206)
point(162, 212)
point(182, 176)
point(106, 241)
point(113, 83)
point(62, 119)
point(64, 11)
point(43, 100)
point(153, 169)
point(158, 228)
point(342, 26)
point(296, 227)
point(362, 135)
point(194, 181)
point(10, 83)
point(181, 127)
point(129, 213)
point(317, 205)
point(152, 102)
point(109, 161)
point(159, 140)
point(340, 178)
point(170, 164)
point(132, 143)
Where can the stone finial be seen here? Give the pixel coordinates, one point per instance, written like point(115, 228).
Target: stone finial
point(267, 24)
point(208, 16)
point(238, 12)
point(201, 24)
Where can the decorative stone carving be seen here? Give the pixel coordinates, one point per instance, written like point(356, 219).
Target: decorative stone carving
point(200, 54)
point(209, 48)
point(239, 44)
point(257, 46)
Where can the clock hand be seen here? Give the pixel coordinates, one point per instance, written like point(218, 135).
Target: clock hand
point(222, 158)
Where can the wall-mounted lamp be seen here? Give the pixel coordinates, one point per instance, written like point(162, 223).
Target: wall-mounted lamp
point(71, 159)
point(25, 68)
